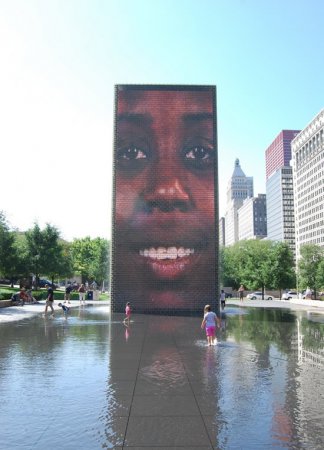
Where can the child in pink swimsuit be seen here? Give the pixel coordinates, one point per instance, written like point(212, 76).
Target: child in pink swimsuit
point(128, 311)
point(210, 321)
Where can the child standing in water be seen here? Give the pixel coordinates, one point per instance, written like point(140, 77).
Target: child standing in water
point(128, 312)
point(210, 321)
point(65, 309)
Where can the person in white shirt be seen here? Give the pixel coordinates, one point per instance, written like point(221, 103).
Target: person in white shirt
point(210, 321)
point(222, 298)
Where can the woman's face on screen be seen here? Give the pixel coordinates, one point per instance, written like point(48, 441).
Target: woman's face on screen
point(165, 199)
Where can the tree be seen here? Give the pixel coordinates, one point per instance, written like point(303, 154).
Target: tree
point(308, 266)
point(231, 262)
point(90, 258)
point(282, 272)
point(320, 275)
point(8, 253)
point(45, 252)
point(257, 264)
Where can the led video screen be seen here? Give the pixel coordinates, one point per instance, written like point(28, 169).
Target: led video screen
point(165, 215)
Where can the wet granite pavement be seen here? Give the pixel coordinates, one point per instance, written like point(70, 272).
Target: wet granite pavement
point(89, 382)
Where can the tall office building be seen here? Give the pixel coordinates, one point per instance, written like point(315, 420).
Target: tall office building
point(252, 218)
point(221, 229)
point(308, 168)
point(279, 189)
point(239, 188)
point(280, 207)
point(278, 154)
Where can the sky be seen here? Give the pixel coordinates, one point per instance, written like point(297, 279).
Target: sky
point(60, 61)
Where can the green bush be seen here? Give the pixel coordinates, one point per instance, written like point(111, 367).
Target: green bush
point(5, 294)
point(58, 295)
point(39, 295)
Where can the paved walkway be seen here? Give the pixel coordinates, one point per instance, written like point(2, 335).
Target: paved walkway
point(294, 304)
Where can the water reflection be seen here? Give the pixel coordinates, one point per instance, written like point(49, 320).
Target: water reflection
point(90, 382)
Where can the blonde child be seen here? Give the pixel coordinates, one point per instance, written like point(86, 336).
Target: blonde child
point(210, 321)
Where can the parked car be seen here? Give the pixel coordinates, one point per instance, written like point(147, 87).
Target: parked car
point(304, 294)
point(258, 296)
point(289, 295)
point(42, 282)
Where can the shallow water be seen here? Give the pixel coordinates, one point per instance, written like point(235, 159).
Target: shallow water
point(88, 382)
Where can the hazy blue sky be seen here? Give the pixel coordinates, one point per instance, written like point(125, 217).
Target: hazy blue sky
point(60, 60)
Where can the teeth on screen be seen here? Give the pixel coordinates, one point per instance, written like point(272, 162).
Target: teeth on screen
point(166, 252)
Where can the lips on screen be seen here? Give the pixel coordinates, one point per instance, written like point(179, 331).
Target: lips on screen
point(164, 234)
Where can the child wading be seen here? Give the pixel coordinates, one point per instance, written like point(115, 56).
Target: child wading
point(210, 321)
point(65, 309)
point(128, 312)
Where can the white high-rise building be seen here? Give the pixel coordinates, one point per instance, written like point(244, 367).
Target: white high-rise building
point(221, 229)
point(280, 207)
point(239, 188)
point(252, 218)
point(308, 170)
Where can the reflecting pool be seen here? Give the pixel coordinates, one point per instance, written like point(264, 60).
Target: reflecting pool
point(89, 382)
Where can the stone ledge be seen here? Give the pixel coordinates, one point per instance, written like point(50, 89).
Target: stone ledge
point(5, 303)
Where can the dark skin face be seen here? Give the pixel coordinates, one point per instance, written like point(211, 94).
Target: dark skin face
point(165, 232)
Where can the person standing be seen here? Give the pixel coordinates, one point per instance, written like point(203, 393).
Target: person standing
point(128, 312)
point(68, 291)
point(82, 291)
point(49, 299)
point(222, 298)
point(241, 292)
point(94, 288)
point(210, 321)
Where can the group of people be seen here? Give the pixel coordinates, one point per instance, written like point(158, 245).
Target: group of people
point(50, 302)
point(210, 321)
point(67, 297)
point(23, 296)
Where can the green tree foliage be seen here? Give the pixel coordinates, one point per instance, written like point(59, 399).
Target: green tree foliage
point(257, 264)
point(257, 259)
point(7, 248)
point(309, 266)
point(46, 252)
point(320, 275)
point(90, 258)
point(23, 266)
point(231, 262)
point(14, 261)
point(282, 266)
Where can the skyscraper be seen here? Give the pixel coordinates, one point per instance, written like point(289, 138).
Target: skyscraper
point(279, 189)
point(308, 167)
point(239, 188)
point(280, 207)
point(252, 218)
point(278, 154)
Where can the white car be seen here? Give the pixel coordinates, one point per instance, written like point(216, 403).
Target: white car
point(258, 296)
point(289, 295)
